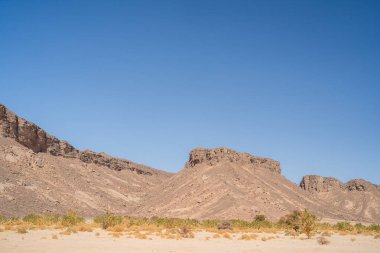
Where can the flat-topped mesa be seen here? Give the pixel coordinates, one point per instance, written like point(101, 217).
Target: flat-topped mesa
point(316, 184)
point(218, 155)
point(35, 138)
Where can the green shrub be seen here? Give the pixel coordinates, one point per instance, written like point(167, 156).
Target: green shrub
point(260, 218)
point(108, 220)
point(344, 226)
point(374, 227)
point(33, 218)
point(292, 220)
point(71, 218)
point(308, 222)
point(360, 227)
point(209, 223)
point(3, 219)
point(224, 225)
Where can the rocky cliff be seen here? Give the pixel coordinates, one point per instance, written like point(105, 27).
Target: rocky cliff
point(316, 184)
point(35, 138)
point(221, 155)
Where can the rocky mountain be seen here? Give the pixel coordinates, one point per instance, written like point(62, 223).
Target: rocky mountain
point(224, 184)
point(358, 196)
point(42, 174)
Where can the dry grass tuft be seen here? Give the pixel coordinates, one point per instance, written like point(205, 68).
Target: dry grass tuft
point(55, 237)
point(85, 228)
point(248, 237)
point(227, 236)
point(353, 239)
point(22, 231)
point(322, 240)
point(117, 228)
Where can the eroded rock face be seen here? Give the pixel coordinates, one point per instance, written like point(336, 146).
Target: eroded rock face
point(313, 183)
point(32, 136)
point(35, 138)
point(360, 185)
point(103, 159)
point(217, 155)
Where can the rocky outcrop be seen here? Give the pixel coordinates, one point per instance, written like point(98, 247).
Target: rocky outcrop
point(103, 159)
point(313, 183)
point(32, 136)
point(360, 185)
point(35, 138)
point(218, 155)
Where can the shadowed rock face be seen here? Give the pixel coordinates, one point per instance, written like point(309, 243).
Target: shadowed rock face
point(220, 155)
point(314, 183)
point(33, 137)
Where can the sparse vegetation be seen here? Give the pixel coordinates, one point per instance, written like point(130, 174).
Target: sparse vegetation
point(344, 226)
point(292, 220)
point(224, 226)
point(71, 219)
point(300, 221)
point(108, 220)
point(173, 228)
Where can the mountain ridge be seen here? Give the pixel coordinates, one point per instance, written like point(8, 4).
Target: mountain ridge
point(48, 175)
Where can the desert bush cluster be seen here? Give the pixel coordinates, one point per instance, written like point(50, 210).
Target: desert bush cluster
point(296, 223)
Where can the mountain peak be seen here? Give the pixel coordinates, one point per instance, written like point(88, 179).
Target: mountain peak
point(214, 156)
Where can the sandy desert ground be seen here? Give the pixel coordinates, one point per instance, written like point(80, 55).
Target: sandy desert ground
point(100, 241)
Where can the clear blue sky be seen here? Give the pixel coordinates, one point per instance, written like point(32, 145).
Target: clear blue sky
point(298, 81)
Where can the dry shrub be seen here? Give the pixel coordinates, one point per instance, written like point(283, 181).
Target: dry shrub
point(85, 228)
point(248, 237)
point(97, 234)
point(185, 232)
point(353, 239)
point(116, 234)
point(71, 219)
point(226, 235)
point(7, 227)
point(55, 237)
point(117, 228)
point(66, 232)
point(139, 235)
point(263, 239)
point(224, 226)
point(322, 240)
point(22, 231)
point(377, 236)
point(245, 237)
point(108, 220)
